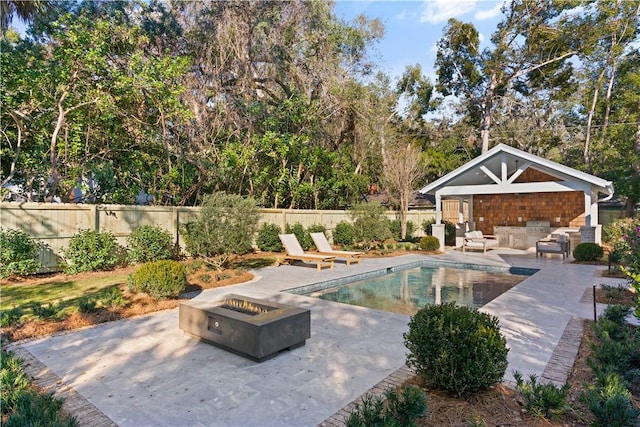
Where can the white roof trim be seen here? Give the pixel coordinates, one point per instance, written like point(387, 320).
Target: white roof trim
point(602, 185)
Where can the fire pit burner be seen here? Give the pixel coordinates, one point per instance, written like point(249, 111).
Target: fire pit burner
point(254, 328)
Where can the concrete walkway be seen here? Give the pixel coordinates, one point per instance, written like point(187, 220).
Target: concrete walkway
point(145, 372)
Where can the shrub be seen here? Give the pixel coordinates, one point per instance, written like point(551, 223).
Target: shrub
point(613, 233)
point(588, 252)
point(11, 317)
point(458, 349)
point(370, 225)
point(48, 311)
point(33, 409)
point(343, 234)
point(159, 279)
point(449, 230)
point(400, 409)
point(18, 253)
point(316, 228)
point(616, 313)
point(301, 234)
point(87, 305)
point(429, 243)
point(610, 402)
point(91, 250)
point(148, 243)
point(225, 226)
point(14, 382)
point(112, 298)
point(268, 239)
point(396, 229)
point(543, 400)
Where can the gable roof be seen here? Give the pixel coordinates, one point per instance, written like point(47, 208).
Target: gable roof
point(498, 169)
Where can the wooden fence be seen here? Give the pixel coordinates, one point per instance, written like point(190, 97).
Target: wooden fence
point(54, 224)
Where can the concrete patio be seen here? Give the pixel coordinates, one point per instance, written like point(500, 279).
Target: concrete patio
point(145, 372)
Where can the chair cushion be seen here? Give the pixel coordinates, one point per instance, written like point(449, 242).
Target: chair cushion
point(473, 235)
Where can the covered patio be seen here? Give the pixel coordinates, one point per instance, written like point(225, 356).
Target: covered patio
point(520, 198)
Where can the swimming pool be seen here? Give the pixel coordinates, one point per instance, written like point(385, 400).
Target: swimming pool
point(406, 290)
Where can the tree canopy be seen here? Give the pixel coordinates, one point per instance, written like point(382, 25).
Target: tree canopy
point(281, 100)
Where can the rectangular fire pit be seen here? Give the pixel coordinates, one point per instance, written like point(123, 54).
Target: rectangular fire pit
point(254, 328)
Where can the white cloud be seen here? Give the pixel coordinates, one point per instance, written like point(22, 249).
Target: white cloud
point(482, 15)
point(436, 11)
point(402, 15)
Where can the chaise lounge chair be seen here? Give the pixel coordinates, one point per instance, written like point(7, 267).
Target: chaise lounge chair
point(323, 246)
point(296, 253)
point(476, 240)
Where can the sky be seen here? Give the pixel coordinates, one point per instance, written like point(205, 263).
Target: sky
point(413, 27)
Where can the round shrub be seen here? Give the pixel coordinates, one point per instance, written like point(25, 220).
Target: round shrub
point(148, 243)
point(91, 250)
point(18, 253)
point(588, 252)
point(160, 279)
point(429, 243)
point(268, 239)
point(343, 234)
point(457, 349)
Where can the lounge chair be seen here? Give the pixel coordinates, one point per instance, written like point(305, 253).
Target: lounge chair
point(296, 253)
point(554, 244)
point(323, 246)
point(476, 240)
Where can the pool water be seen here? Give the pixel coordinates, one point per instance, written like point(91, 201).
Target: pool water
point(407, 291)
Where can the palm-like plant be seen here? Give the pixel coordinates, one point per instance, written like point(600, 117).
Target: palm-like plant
point(23, 9)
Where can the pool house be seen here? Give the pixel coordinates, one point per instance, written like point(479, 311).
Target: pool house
point(520, 198)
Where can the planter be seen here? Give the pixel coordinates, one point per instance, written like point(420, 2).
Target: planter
point(254, 328)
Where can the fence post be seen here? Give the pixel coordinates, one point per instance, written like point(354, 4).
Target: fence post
point(96, 217)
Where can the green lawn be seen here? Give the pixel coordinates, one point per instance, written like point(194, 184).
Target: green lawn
point(46, 293)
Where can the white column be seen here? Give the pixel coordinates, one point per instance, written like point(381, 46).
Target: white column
point(587, 209)
point(594, 209)
point(438, 208)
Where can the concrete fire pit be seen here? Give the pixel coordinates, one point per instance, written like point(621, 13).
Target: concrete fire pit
point(254, 328)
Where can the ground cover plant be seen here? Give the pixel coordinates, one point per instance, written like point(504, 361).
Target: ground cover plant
point(22, 404)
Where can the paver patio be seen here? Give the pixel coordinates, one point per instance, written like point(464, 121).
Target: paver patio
point(145, 372)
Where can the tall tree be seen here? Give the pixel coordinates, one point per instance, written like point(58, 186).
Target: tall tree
point(529, 48)
point(610, 28)
point(254, 60)
point(94, 97)
point(402, 168)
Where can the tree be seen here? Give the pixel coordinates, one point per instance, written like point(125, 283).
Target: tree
point(272, 92)
point(529, 52)
point(402, 168)
point(611, 28)
point(98, 107)
point(225, 227)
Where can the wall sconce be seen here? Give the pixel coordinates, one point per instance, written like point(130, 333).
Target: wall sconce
point(557, 219)
point(519, 219)
point(481, 219)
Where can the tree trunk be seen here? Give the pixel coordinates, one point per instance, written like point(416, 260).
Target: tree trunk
point(631, 200)
point(485, 113)
point(53, 153)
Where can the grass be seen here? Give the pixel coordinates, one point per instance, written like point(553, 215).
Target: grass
point(66, 290)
